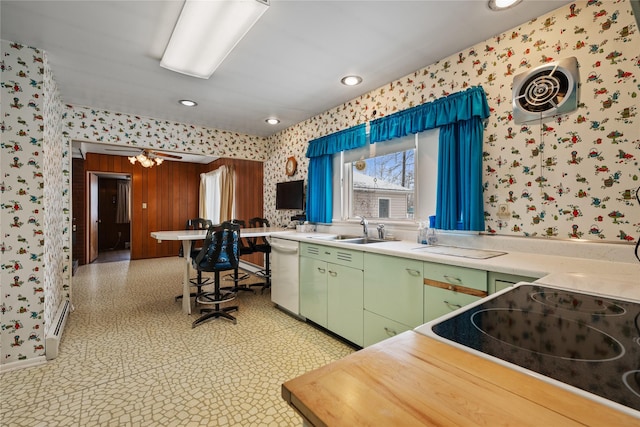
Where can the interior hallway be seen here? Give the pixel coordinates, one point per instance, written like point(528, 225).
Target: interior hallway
point(130, 358)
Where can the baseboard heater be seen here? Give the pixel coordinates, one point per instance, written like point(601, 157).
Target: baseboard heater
point(52, 340)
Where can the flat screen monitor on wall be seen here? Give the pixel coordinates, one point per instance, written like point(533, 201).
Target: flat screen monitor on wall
point(290, 195)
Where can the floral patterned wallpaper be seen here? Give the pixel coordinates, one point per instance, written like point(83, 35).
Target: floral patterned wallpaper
point(34, 202)
point(56, 165)
point(571, 177)
point(88, 124)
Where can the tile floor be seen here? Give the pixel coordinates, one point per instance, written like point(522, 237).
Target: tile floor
point(130, 358)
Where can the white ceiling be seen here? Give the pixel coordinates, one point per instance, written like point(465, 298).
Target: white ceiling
point(106, 54)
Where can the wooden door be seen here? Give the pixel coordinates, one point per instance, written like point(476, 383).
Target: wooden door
point(93, 218)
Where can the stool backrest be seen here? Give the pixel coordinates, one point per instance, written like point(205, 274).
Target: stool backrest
point(198, 224)
point(220, 249)
point(258, 242)
point(195, 224)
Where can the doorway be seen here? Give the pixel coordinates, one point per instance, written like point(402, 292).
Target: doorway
point(109, 211)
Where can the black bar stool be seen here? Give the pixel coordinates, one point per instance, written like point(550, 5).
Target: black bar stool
point(219, 253)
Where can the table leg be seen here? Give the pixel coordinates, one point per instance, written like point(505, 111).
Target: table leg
point(186, 293)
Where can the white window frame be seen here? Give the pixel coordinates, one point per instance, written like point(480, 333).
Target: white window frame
point(426, 174)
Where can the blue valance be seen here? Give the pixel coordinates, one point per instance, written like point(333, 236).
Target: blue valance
point(339, 141)
point(460, 106)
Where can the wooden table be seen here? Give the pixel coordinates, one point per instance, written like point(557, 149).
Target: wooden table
point(188, 236)
point(414, 380)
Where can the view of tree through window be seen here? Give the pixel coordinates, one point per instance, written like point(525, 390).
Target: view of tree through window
point(387, 179)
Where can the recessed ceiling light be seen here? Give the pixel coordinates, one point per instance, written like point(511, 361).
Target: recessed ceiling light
point(272, 121)
point(502, 4)
point(188, 103)
point(351, 80)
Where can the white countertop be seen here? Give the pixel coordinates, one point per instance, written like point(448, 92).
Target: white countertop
point(604, 276)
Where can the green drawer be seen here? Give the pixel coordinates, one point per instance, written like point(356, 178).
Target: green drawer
point(456, 276)
point(438, 302)
point(335, 255)
point(378, 328)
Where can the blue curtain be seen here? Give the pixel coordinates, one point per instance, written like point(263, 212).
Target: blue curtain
point(447, 194)
point(320, 189)
point(347, 139)
point(320, 180)
point(460, 106)
point(459, 203)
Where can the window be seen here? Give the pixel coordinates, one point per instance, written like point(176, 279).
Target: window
point(395, 180)
point(383, 208)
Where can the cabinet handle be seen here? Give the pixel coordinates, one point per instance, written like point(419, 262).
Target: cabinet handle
point(452, 305)
point(390, 332)
point(327, 253)
point(322, 270)
point(412, 272)
point(452, 279)
point(333, 273)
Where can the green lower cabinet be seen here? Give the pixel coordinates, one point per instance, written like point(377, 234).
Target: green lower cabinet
point(345, 313)
point(450, 287)
point(378, 328)
point(331, 296)
point(313, 290)
point(393, 288)
point(438, 302)
point(392, 296)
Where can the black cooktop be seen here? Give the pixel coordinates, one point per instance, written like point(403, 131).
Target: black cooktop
point(587, 341)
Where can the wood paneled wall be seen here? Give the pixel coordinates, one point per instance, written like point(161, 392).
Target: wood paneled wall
point(78, 206)
point(171, 193)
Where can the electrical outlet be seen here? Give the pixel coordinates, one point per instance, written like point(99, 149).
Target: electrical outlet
point(503, 211)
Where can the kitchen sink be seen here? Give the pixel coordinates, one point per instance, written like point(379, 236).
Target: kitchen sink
point(337, 237)
point(363, 240)
point(349, 238)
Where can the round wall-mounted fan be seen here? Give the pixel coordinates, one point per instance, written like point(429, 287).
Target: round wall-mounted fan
point(546, 91)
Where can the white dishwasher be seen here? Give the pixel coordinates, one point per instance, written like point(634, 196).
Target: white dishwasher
point(284, 274)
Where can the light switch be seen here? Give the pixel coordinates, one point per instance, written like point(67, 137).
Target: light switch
point(144, 206)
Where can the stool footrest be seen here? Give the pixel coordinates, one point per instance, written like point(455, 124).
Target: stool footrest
point(215, 298)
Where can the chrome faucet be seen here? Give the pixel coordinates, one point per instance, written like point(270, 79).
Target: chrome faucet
point(380, 231)
point(365, 225)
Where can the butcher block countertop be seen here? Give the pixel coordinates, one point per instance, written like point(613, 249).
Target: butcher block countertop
point(412, 380)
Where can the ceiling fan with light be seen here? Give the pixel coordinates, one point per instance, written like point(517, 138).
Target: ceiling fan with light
point(145, 157)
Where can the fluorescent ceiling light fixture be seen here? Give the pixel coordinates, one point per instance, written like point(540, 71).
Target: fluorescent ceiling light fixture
point(351, 80)
point(188, 103)
point(272, 121)
point(207, 31)
point(502, 4)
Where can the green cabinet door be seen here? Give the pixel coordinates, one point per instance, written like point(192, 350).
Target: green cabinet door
point(393, 288)
point(313, 290)
point(345, 313)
